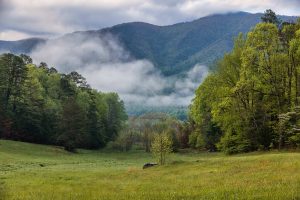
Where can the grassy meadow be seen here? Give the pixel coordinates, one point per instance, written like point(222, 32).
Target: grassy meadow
point(30, 172)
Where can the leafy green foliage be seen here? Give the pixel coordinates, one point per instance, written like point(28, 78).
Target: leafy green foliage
point(288, 129)
point(37, 104)
point(241, 102)
point(138, 133)
point(234, 143)
point(161, 147)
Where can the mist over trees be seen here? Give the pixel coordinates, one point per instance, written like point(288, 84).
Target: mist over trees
point(251, 101)
point(40, 105)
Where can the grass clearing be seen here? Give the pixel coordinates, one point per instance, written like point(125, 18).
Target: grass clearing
point(31, 172)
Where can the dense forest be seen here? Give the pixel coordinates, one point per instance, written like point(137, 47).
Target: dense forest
point(178, 112)
point(40, 105)
point(251, 101)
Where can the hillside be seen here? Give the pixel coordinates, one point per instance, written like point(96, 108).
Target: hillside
point(31, 171)
point(178, 47)
point(172, 49)
point(20, 46)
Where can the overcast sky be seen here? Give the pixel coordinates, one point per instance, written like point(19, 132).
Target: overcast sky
point(49, 18)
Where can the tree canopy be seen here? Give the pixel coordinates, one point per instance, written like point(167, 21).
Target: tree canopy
point(240, 106)
point(40, 105)
point(270, 17)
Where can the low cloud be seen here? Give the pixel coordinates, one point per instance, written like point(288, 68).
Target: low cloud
point(108, 67)
point(81, 50)
point(10, 35)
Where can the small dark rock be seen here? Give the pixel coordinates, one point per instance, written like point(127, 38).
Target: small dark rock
point(147, 165)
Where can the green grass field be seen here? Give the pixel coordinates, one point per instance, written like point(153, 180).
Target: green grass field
point(43, 172)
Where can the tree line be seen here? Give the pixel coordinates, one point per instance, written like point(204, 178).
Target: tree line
point(40, 105)
point(158, 133)
point(251, 100)
point(140, 132)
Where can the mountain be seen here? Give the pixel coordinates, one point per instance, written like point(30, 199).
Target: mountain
point(20, 46)
point(175, 48)
point(178, 47)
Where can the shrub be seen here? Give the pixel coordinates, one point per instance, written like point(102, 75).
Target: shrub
point(232, 144)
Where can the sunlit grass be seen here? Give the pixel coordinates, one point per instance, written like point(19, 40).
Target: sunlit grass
point(43, 172)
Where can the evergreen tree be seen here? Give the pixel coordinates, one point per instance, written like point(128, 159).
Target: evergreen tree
point(72, 126)
point(271, 17)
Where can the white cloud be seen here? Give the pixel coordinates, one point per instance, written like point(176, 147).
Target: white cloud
point(134, 77)
point(13, 35)
point(77, 51)
point(206, 7)
point(56, 17)
point(109, 68)
point(187, 85)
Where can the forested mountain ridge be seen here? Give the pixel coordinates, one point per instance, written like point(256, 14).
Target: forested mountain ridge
point(172, 49)
point(21, 46)
point(177, 48)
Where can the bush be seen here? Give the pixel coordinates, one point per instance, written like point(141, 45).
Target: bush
point(294, 140)
point(70, 146)
point(196, 140)
point(232, 144)
point(123, 142)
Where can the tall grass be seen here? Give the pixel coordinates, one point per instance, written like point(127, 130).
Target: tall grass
point(43, 172)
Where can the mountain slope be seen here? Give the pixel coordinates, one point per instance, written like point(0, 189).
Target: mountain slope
point(20, 46)
point(177, 48)
point(172, 49)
